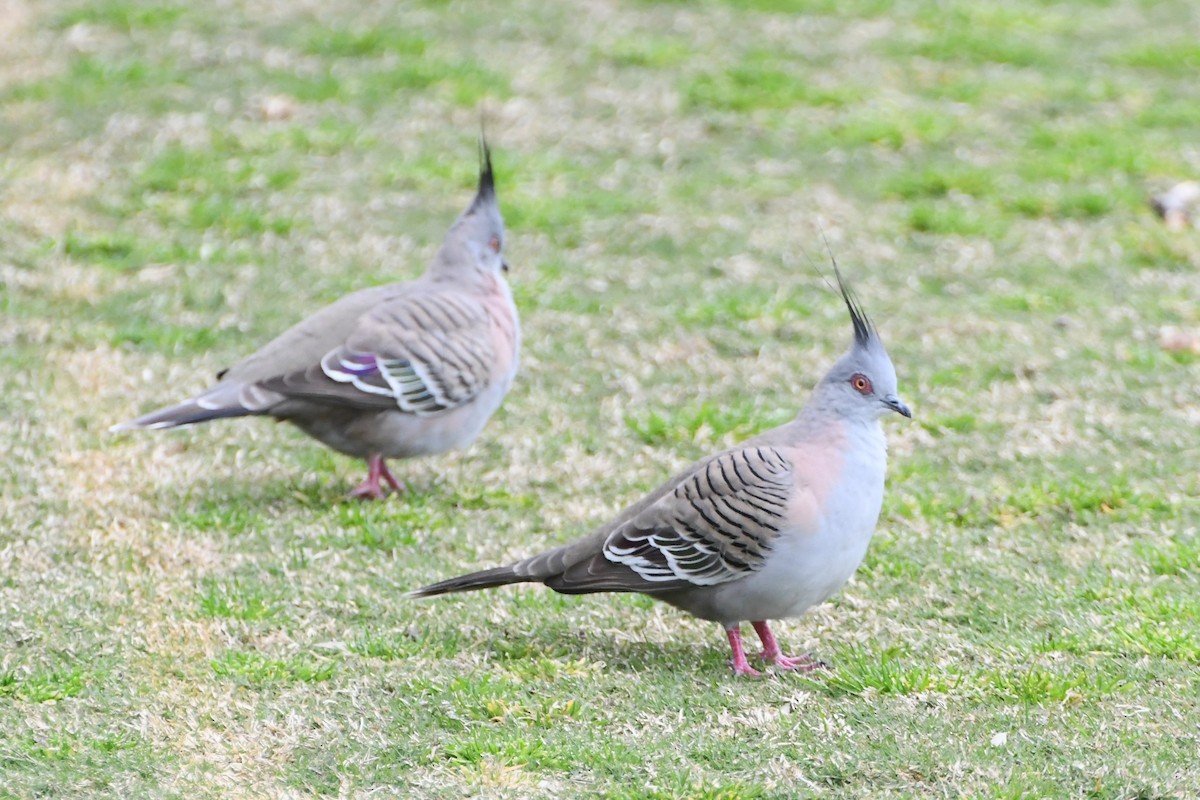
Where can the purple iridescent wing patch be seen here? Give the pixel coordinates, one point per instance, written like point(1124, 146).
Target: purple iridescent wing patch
point(401, 379)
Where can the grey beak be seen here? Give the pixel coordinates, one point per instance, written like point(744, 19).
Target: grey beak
point(897, 405)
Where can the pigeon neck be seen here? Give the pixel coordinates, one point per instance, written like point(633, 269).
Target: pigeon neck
point(822, 411)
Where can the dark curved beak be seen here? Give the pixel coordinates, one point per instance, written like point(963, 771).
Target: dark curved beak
point(504, 265)
point(897, 405)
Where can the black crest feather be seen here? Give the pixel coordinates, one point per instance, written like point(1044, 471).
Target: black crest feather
point(487, 179)
point(864, 329)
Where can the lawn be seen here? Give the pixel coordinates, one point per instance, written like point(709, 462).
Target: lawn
point(201, 614)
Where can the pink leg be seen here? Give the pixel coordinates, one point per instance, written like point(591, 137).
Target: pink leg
point(397, 485)
point(740, 665)
point(370, 488)
point(773, 655)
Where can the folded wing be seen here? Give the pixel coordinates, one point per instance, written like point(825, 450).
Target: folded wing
point(423, 353)
point(717, 525)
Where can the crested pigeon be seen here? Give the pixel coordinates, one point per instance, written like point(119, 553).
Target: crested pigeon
point(394, 371)
point(764, 530)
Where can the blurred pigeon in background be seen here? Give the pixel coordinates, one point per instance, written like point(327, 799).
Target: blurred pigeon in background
point(1175, 205)
point(396, 371)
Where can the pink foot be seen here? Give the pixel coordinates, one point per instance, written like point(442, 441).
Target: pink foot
point(802, 663)
point(371, 489)
point(773, 655)
point(741, 667)
point(367, 490)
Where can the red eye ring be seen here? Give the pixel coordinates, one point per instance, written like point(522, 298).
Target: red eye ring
point(861, 383)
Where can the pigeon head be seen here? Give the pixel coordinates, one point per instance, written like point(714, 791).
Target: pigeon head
point(862, 384)
point(475, 242)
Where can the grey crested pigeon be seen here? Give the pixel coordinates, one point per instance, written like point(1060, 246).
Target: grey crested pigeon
point(395, 371)
point(764, 530)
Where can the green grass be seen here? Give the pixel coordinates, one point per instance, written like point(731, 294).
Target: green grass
point(44, 686)
point(202, 614)
point(256, 670)
point(707, 420)
point(762, 80)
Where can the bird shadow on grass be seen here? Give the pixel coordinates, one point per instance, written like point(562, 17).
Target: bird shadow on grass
point(238, 506)
point(563, 641)
point(687, 662)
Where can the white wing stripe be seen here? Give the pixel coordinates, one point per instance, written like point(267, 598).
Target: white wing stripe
point(715, 527)
point(407, 382)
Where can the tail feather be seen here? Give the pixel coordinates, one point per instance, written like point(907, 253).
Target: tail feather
point(484, 579)
point(555, 568)
point(188, 412)
point(226, 399)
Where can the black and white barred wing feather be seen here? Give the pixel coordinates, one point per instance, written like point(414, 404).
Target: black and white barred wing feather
point(718, 524)
point(423, 354)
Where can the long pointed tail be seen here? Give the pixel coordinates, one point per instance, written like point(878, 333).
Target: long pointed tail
point(484, 579)
point(186, 413)
point(223, 400)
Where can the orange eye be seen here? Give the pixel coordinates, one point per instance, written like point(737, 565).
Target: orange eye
point(861, 383)
point(494, 244)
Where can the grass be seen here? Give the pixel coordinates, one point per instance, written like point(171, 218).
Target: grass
point(201, 614)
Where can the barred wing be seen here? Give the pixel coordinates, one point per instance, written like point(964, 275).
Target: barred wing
point(717, 525)
point(424, 353)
